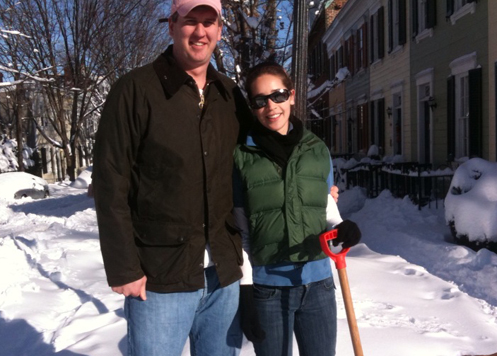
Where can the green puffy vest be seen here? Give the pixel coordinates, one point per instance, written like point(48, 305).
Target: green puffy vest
point(286, 213)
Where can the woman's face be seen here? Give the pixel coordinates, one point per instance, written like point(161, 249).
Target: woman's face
point(274, 116)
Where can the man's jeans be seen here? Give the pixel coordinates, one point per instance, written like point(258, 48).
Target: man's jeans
point(161, 325)
point(308, 310)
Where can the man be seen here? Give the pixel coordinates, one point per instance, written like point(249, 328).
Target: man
point(163, 193)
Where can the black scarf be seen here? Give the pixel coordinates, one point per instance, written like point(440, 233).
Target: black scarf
point(277, 146)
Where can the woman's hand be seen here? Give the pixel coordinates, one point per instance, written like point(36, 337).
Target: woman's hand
point(334, 193)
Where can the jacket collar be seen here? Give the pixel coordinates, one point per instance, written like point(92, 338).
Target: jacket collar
point(172, 77)
point(250, 138)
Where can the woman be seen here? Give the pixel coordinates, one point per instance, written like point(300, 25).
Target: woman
point(282, 182)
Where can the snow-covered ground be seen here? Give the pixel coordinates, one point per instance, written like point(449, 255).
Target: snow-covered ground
point(415, 293)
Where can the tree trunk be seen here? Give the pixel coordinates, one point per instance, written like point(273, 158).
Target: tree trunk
point(19, 125)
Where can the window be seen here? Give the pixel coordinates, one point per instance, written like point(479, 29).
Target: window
point(377, 124)
point(459, 8)
point(359, 48)
point(397, 24)
point(377, 35)
point(349, 55)
point(464, 115)
point(316, 61)
point(424, 18)
point(424, 85)
point(421, 20)
point(362, 129)
point(458, 4)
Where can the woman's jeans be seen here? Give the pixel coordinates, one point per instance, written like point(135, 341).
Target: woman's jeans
point(161, 325)
point(308, 310)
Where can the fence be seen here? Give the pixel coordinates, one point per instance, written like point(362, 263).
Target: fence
point(419, 182)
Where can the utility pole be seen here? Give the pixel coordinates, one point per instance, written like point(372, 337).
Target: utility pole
point(299, 56)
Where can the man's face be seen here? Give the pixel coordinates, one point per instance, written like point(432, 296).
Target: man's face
point(195, 37)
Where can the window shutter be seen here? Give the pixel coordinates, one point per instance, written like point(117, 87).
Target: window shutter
point(431, 13)
point(357, 51)
point(402, 22)
point(381, 124)
point(451, 118)
point(366, 126)
point(414, 18)
point(372, 44)
point(365, 45)
point(360, 128)
point(351, 55)
point(372, 110)
point(475, 112)
point(390, 26)
point(449, 8)
point(332, 67)
point(381, 32)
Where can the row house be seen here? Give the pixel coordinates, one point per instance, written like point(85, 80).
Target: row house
point(415, 78)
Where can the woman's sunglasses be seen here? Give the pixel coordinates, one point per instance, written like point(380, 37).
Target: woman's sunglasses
point(278, 96)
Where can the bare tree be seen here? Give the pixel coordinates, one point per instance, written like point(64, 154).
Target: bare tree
point(254, 31)
point(80, 47)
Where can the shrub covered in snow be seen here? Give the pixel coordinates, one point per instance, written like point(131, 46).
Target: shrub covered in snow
point(8, 155)
point(471, 204)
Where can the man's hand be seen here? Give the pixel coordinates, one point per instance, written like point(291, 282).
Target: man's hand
point(133, 289)
point(334, 193)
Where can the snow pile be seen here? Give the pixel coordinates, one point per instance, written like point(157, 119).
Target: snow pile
point(84, 179)
point(471, 202)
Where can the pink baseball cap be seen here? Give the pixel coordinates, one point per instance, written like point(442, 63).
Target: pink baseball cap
point(183, 7)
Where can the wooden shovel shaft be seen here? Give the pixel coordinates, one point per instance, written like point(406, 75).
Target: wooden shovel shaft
point(349, 309)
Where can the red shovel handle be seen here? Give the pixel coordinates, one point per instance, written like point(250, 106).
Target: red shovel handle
point(339, 257)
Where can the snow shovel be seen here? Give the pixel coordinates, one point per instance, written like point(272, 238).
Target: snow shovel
point(339, 259)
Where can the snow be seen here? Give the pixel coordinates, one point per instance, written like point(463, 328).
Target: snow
point(11, 182)
point(84, 179)
point(472, 200)
point(414, 291)
point(8, 155)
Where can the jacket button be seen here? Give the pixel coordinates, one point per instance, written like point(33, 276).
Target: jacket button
point(181, 239)
point(205, 153)
point(201, 265)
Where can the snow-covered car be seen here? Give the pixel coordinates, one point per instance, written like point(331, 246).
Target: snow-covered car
point(471, 204)
point(17, 185)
